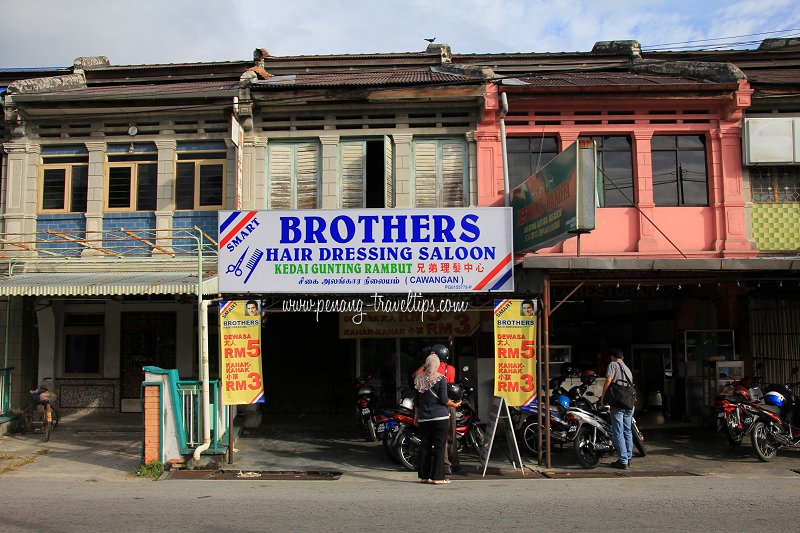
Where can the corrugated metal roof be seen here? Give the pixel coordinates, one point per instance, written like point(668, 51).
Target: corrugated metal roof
point(146, 90)
point(104, 283)
point(596, 79)
point(400, 77)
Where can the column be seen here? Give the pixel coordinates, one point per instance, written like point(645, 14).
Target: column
point(472, 170)
point(490, 186)
point(165, 196)
point(402, 169)
point(255, 173)
point(727, 194)
point(643, 189)
point(21, 189)
point(95, 196)
point(330, 171)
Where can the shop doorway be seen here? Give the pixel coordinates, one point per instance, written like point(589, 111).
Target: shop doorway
point(146, 339)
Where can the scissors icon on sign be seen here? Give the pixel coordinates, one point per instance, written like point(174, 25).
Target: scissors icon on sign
point(237, 268)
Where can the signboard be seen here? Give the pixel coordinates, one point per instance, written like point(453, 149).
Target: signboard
point(557, 201)
point(515, 350)
point(385, 325)
point(240, 352)
point(499, 413)
point(237, 137)
point(366, 251)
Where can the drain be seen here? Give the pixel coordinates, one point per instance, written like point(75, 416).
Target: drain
point(591, 474)
point(261, 475)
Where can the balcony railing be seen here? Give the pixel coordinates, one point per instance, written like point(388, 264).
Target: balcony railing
point(52, 246)
point(5, 391)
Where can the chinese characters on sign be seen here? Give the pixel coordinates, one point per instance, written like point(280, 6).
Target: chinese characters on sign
point(240, 352)
point(515, 351)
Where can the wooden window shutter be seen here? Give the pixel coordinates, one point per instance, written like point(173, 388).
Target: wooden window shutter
point(280, 176)
point(452, 157)
point(307, 175)
point(353, 157)
point(425, 182)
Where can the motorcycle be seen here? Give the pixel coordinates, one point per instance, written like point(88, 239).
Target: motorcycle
point(733, 414)
point(406, 443)
point(366, 401)
point(776, 422)
point(526, 420)
point(468, 430)
point(590, 432)
point(401, 417)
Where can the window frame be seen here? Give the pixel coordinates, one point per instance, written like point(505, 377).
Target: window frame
point(198, 163)
point(86, 330)
point(776, 175)
point(530, 153)
point(68, 195)
point(133, 191)
point(677, 150)
point(601, 150)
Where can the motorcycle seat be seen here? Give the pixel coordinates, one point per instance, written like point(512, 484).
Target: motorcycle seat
point(404, 411)
point(774, 409)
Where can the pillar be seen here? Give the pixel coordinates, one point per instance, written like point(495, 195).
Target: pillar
point(21, 189)
point(255, 173)
point(330, 171)
point(402, 169)
point(643, 189)
point(165, 196)
point(95, 196)
point(152, 424)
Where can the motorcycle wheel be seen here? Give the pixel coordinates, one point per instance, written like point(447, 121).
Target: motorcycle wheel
point(388, 449)
point(638, 442)
point(733, 434)
point(583, 444)
point(408, 451)
point(369, 426)
point(529, 437)
point(476, 438)
point(762, 447)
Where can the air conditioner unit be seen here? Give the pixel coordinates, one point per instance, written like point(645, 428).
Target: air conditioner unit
point(771, 141)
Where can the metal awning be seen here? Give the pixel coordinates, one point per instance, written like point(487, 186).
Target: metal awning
point(104, 283)
point(719, 265)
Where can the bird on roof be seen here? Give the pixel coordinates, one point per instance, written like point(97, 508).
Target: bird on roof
point(430, 40)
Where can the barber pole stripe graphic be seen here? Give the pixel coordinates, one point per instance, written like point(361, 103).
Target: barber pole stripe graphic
point(227, 305)
point(248, 216)
point(500, 266)
point(259, 398)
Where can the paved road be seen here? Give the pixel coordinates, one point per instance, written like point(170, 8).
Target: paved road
point(83, 475)
point(703, 503)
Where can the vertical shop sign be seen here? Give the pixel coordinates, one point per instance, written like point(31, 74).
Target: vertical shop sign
point(240, 352)
point(515, 351)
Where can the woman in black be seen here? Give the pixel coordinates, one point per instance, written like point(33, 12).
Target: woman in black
point(433, 420)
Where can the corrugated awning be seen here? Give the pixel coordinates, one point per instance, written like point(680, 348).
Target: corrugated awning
point(104, 283)
point(721, 264)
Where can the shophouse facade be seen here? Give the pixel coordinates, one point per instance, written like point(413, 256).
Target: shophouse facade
point(157, 150)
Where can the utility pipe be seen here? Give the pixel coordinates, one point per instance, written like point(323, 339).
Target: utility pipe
point(204, 369)
point(202, 323)
point(506, 183)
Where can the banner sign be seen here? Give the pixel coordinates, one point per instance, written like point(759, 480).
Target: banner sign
point(557, 201)
point(240, 352)
point(515, 351)
point(366, 251)
point(386, 325)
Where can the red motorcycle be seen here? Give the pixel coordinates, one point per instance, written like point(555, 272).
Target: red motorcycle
point(735, 409)
point(366, 403)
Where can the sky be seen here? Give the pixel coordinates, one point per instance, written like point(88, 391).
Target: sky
point(52, 33)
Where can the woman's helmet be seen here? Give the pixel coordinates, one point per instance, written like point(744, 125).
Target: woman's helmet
point(408, 403)
point(567, 370)
point(561, 400)
point(455, 392)
point(441, 351)
point(588, 377)
point(775, 398)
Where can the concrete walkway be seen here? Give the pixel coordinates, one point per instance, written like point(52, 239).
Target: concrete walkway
point(108, 447)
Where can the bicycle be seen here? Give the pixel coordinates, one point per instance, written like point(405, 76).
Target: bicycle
point(41, 412)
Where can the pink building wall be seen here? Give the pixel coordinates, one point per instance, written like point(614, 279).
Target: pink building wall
point(717, 230)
